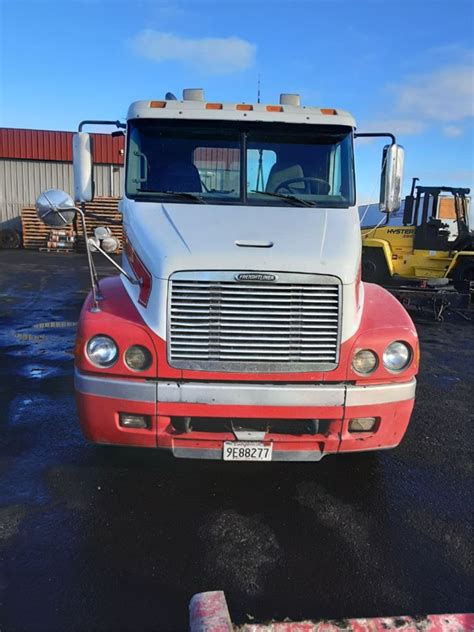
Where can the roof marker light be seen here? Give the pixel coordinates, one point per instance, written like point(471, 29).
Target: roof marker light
point(157, 104)
point(330, 111)
point(244, 106)
point(274, 108)
point(213, 106)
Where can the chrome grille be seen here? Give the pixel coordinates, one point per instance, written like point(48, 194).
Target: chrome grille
point(218, 323)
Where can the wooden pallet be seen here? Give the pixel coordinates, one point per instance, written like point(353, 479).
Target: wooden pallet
point(100, 212)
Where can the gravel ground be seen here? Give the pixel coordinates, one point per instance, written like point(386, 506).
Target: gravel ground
point(119, 539)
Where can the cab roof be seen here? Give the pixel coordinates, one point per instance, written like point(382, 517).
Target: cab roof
point(206, 110)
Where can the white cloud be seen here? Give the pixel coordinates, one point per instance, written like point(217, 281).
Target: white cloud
point(210, 55)
point(453, 131)
point(397, 125)
point(446, 94)
point(443, 96)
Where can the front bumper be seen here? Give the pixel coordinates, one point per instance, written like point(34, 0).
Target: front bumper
point(100, 399)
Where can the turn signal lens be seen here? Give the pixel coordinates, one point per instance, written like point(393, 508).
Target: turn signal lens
point(102, 351)
point(364, 362)
point(397, 356)
point(138, 358)
point(362, 424)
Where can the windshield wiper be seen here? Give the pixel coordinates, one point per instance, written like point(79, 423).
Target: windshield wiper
point(192, 197)
point(293, 199)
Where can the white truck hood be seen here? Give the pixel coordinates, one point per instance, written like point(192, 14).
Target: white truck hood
point(173, 237)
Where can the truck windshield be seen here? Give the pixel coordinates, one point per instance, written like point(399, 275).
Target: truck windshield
point(240, 163)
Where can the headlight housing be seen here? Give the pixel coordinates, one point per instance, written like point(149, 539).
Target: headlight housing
point(102, 351)
point(138, 358)
point(397, 356)
point(364, 361)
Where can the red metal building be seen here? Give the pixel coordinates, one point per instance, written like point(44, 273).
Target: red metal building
point(32, 161)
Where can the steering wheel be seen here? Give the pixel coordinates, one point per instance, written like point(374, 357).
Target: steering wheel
point(287, 184)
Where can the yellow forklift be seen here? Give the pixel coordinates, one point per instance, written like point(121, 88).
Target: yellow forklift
point(430, 258)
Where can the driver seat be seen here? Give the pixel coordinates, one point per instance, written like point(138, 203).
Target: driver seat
point(284, 170)
point(179, 176)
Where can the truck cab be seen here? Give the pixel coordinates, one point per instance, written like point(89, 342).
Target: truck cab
point(239, 327)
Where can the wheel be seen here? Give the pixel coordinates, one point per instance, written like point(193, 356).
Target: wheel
point(9, 239)
point(464, 274)
point(374, 266)
point(322, 185)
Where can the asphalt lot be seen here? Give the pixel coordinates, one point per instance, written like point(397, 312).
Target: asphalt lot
point(120, 539)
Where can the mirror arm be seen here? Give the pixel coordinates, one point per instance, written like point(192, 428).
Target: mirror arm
point(94, 285)
point(132, 280)
point(116, 123)
point(376, 135)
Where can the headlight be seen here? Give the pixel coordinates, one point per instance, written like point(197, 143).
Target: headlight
point(102, 351)
point(397, 356)
point(138, 358)
point(364, 361)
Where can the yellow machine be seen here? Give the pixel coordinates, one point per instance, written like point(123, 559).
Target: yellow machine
point(434, 242)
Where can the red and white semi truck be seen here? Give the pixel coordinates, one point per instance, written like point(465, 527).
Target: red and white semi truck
point(239, 327)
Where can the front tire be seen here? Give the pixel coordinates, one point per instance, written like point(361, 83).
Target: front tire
point(374, 266)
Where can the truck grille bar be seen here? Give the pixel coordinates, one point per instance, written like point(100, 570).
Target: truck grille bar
point(218, 323)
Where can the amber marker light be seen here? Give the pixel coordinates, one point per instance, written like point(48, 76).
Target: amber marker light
point(157, 104)
point(213, 106)
point(274, 108)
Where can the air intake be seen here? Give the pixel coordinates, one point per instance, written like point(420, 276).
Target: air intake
point(290, 99)
point(193, 94)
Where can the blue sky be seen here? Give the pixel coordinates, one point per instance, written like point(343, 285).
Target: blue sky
point(402, 66)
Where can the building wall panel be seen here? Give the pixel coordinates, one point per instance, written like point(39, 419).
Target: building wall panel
point(33, 144)
point(21, 181)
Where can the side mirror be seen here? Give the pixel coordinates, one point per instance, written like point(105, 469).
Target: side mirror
point(55, 208)
point(391, 182)
point(82, 163)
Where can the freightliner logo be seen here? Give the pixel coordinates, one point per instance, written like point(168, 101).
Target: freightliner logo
point(256, 276)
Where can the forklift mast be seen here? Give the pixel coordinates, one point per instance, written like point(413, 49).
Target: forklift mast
point(421, 208)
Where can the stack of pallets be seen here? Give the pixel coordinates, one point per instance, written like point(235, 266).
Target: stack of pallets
point(35, 232)
point(100, 212)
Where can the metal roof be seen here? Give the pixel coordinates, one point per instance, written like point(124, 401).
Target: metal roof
point(34, 144)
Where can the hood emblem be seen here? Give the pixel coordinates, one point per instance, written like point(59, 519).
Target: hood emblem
point(256, 276)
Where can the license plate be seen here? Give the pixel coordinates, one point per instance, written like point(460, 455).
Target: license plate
point(246, 451)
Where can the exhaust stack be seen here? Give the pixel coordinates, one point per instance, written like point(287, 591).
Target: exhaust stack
point(193, 94)
point(290, 99)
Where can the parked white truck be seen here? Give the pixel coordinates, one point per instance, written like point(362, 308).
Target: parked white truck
point(239, 327)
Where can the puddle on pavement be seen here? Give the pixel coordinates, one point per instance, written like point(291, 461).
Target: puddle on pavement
point(64, 324)
point(39, 372)
point(52, 339)
point(446, 381)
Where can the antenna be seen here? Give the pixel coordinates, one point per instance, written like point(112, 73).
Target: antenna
point(258, 88)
